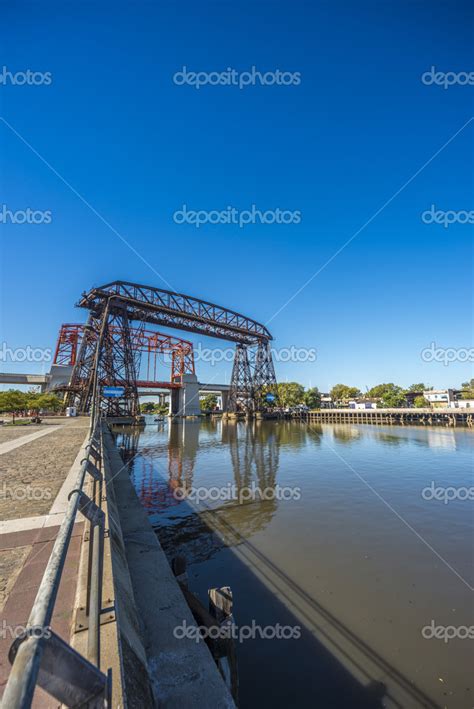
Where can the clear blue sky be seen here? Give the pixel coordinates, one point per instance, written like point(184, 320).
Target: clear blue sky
point(336, 147)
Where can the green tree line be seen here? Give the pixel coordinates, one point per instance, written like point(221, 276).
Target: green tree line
point(389, 395)
point(14, 401)
point(153, 407)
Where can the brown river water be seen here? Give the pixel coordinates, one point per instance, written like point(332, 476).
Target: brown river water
point(358, 540)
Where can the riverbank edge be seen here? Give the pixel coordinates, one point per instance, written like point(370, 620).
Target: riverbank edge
point(179, 672)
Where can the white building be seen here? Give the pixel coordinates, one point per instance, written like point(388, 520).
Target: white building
point(326, 401)
point(439, 397)
point(462, 404)
point(363, 404)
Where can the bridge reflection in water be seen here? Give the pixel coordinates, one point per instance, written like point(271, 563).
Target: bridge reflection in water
point(340, 660)
point(164, 471)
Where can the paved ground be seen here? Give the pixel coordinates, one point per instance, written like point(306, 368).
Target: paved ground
point(8, 446)
point(11, 433)
point(11, 563)
point(31, 475)
point(26, 554)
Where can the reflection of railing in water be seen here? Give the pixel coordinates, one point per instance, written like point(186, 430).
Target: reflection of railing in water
point(128, 443)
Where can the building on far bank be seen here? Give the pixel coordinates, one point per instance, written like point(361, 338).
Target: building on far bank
point(363, 404)
point(436, 398)
point(462, 404)
point(326, 401)
point(442, 398)
point(411, 396)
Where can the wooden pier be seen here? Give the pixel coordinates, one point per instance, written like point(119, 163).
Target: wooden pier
point(398, 417)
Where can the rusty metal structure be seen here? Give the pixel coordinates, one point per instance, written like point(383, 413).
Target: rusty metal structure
point(147, 342)
point(108, 353)
point(67, 345)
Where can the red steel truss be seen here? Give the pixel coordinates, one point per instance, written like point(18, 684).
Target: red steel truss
point(146, 342)
point(67, 345)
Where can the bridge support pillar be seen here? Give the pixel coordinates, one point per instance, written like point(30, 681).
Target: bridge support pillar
point(225, 400)
point(191, 395)
point(176, 402)
point(185, 400)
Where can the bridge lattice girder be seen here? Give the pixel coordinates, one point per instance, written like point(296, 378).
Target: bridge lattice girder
point(163, 307)
point(119, 303)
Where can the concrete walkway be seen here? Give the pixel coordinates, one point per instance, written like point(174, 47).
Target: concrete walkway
point(55, 515)
point(26, 540)
point(11, 445)
point(32, 473)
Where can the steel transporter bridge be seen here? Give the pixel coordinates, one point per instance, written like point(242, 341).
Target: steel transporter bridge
point(106, 351)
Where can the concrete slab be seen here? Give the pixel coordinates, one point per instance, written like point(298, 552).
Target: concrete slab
point(11, 445)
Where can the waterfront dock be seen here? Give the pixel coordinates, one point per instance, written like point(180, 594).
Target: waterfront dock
point(398, 417)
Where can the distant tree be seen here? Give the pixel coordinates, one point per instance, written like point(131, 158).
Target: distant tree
point(147, 407)
point(13, 401)
point(417, 387)
point(33, 398)
point(343, 393)
point(290, 394)
point(394, 399)
point(421, 403)
point(391, 395)
point(468, 387)
point(380, 390)
point(49, 402)
point(208, 403)
point(312, 398)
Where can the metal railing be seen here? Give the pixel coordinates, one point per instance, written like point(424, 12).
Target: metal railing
point(39, 656)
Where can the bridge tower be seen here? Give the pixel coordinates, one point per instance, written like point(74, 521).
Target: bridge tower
point(264, 378)
point(106, 358)
point(79, 393)
point(241, 386)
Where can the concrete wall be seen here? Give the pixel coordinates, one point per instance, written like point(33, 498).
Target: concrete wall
point(182, 672)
